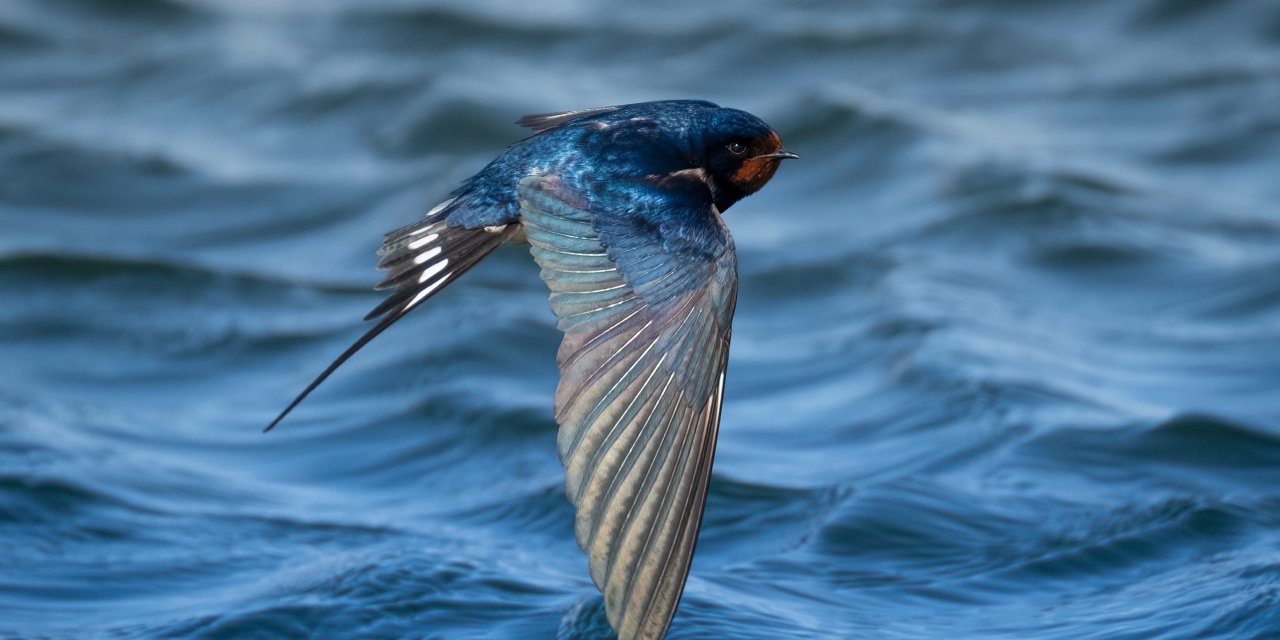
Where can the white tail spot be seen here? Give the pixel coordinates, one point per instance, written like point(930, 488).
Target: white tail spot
point(426, 292)
point(433, 270)
point(426, 255)
point(423, 241)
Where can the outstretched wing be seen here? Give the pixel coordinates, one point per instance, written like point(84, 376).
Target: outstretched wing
point(645, 298)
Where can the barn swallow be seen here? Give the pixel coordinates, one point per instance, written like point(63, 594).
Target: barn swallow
point(621, 207)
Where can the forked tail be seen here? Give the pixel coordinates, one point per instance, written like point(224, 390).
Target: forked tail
point(420, 260)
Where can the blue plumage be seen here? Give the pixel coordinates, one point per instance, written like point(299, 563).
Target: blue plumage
point(621, 208)
point(644, 139)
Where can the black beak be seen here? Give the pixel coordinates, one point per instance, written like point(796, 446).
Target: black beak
point(780, 154)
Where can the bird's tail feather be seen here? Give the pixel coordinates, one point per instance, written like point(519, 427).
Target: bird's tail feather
point(421, 260)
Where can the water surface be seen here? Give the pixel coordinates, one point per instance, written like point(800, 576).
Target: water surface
point(1005, 362)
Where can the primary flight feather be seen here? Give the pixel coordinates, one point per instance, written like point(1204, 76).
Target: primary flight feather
point(621, 207)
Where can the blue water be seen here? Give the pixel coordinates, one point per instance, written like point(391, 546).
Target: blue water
point(1005, 366)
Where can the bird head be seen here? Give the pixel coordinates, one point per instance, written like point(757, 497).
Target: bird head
point(740, 153)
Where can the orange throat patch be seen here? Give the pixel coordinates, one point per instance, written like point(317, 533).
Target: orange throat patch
point(755, 172)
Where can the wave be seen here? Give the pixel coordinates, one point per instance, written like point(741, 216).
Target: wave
point(1107, 547)
point(17, 39)
point(982, 546)
point(150, 11)
point(32, 155)
point(58, 270)
point(1184, 451)
point(1241, 294)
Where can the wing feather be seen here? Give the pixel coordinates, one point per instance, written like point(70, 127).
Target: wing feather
point(647, 324)
point(540, 122)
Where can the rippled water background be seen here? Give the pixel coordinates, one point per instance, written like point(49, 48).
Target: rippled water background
point(1006, 361)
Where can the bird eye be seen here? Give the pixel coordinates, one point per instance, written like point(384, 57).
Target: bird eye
point(737, 148)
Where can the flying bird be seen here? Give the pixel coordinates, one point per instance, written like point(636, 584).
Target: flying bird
point(621, 207)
